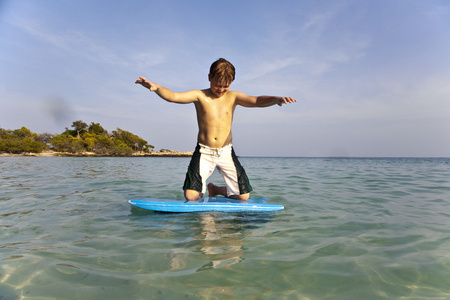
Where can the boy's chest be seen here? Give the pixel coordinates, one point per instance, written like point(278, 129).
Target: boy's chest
point(217, 108)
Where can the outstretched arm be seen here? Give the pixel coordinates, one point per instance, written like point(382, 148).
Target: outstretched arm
point(261, 101)
point(167, 94)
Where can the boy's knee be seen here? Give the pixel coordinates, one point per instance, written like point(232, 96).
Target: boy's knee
point(243, 197)
point(192, 195)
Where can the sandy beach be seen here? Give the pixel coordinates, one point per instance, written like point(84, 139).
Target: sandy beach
point(162, 153)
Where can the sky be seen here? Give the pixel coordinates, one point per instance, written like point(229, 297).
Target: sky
point(372, 78)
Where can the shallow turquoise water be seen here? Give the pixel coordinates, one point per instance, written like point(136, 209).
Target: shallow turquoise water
point(352, 229)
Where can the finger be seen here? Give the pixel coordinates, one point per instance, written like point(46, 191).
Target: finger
point(291, 100)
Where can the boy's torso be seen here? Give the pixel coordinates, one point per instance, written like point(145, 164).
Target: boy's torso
point(214, 117)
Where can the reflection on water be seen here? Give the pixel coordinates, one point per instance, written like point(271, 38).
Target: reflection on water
point(215, 239)
point(217, 242)
point(220, 246)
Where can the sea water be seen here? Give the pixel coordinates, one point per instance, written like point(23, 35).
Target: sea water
point(351, 229)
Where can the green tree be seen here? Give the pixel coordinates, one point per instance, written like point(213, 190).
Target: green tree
point(83, 138)
point(29, 144)
point(120, 148)
point(22, 132)
point(89, 140)
point(20, 141)
point(96, 128)
point(131, 140)
point(79, 127)
point(67, 143)
point(58, 142)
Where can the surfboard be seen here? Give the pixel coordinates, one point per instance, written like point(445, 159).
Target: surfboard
point(206, 204)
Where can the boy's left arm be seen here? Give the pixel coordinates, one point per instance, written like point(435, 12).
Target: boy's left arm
point(261, 101)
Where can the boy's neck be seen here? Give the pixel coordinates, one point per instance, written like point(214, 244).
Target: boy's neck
point(214, 96)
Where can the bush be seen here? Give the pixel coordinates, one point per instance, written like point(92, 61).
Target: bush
point(20, 141)
point(92, 138)
point(67, 143)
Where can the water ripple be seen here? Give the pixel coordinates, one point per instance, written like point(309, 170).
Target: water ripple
point(352, 229)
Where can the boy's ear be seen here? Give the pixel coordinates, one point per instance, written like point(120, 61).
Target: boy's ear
point(209, 77)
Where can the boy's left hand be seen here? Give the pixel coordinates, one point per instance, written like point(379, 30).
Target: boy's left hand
point(144, 82)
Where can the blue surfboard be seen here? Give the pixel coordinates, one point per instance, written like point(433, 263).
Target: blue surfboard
point(206, 204)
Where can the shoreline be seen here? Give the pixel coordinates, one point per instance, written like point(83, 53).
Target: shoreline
point(165, 153)
point(174, 153)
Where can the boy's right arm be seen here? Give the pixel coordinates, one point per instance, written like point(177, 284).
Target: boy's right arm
point(167, 94)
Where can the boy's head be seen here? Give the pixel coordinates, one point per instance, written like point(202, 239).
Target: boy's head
point(222, 71)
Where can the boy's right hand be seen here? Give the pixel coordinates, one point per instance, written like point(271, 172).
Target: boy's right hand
point(145, 83)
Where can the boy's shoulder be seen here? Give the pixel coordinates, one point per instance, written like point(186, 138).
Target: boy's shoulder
point(236, 94)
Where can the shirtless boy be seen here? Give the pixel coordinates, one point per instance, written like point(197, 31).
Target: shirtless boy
point(215, 109)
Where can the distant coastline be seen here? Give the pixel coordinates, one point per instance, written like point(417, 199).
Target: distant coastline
point(50, 153)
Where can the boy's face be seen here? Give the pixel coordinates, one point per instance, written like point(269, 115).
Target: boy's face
point(219, 88)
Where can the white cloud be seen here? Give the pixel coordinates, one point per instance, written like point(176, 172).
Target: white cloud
point(318, 21)
point(75, 42)
point(147, 59)
point(267, 67)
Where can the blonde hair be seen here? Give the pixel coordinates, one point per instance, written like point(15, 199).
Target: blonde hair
point(222, 70)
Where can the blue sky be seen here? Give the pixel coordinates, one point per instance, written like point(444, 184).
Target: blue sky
point(372, 77)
